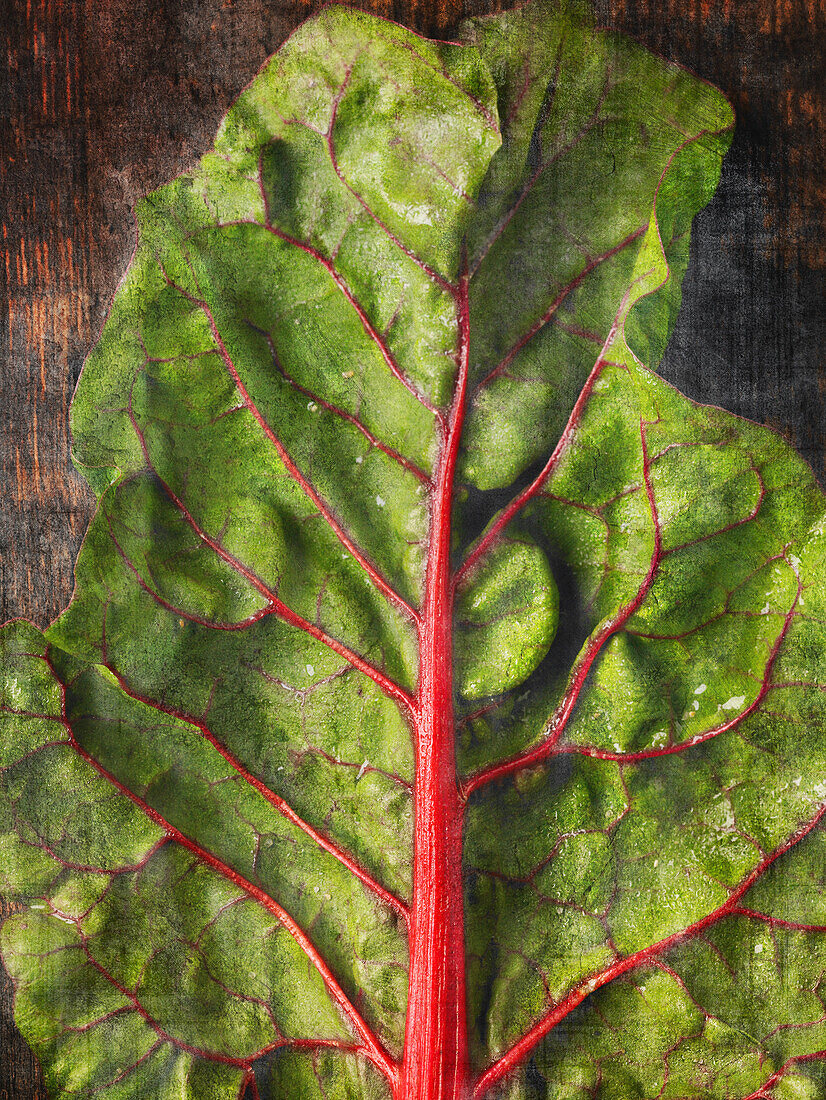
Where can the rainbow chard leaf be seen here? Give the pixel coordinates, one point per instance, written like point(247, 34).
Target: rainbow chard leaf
point(439, 712)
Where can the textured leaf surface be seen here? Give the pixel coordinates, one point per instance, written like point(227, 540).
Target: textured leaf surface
point(410, 581)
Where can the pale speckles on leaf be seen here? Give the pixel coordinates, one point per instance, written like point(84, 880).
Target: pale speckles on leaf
point(734, 703)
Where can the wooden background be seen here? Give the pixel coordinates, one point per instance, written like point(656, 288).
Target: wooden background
point(103, 100)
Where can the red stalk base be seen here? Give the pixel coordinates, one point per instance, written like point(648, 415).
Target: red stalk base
point(435, 1064)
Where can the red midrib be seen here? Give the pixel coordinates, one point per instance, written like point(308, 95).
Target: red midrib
point(435, 1063)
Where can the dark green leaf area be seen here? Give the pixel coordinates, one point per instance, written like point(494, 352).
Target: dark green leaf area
point(176, 937)
point(97, 829)
point(88, 1035)
point(318, 1075)
point(507, 613)
point(204, 975)
point(734, 1011)
point(177, 770)
point(676, 532)
point(710, 835)
point(642, 1037)
point(289, 710)
point(132, 585)
point(29, 695)
point(692, 817)
point(185, 952)
point(730, 503)
point(590, 881)
point(213, 970)
point(600, 138)
point(536, 903)
point(143, 543)
point(792, 889)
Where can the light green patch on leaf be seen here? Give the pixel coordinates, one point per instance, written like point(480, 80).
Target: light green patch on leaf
point(507, 615)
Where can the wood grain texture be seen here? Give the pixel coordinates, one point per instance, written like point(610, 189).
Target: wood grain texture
point(103, 100)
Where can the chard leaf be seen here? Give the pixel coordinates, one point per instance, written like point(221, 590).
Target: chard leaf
point(439, 711)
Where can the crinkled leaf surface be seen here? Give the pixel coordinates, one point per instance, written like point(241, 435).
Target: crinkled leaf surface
point(373, 414)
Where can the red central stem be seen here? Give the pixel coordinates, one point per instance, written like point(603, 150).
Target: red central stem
point(435, 1065)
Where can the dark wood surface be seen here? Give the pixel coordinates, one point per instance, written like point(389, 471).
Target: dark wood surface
point(103, 100)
